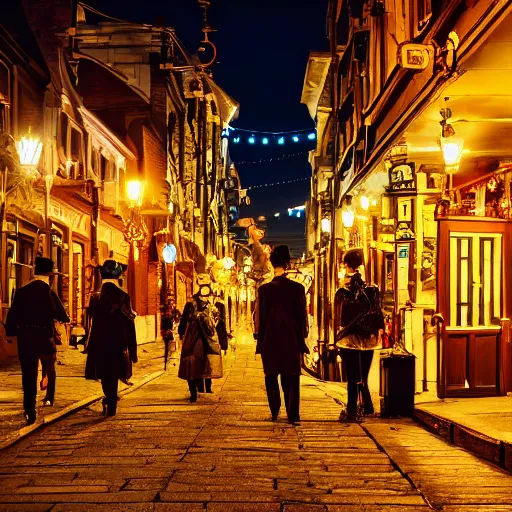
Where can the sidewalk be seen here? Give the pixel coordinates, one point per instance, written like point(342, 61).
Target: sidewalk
point(480, 425)
point(71, 386)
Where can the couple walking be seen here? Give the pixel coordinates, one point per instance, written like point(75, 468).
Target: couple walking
point(282, 326)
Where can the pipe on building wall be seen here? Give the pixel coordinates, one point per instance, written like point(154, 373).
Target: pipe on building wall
point(204, 173)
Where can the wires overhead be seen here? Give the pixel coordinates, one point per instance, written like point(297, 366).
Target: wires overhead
point(284, 182)
point(286, 156)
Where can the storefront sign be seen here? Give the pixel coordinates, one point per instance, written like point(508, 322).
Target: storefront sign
point(79, 222)
point(402, 178)
point(414, 56)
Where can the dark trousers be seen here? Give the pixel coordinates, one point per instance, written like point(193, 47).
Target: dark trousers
point(196, 385)
point(109, 385)
point(29, 367)
point(291, 391)
point(357, 366)
point(48, 366)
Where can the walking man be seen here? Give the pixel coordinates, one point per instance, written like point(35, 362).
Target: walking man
point(31, 318)
point(281, 332)
point(112, 346)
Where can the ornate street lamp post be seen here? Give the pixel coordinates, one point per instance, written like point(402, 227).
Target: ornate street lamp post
point(18, 160)
point(135, 230)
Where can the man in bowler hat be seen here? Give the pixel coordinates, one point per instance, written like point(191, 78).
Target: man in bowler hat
point(281, 332)
point(34, 310)
point(112, 346)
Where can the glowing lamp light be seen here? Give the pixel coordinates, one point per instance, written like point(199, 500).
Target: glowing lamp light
point(365, 203)
point(29, 149)
point(452, 152)
point(280, 140)
point(295, 138)
point(228, 263)
point(134, 191)
point(169, 253)
point(277, 214)
point(236, 140)
point(265, 140)
point(252, 140)
point(325, 225)
point(348, 217)
point(312, 136)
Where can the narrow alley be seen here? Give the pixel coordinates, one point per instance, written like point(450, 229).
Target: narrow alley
point(222, 454)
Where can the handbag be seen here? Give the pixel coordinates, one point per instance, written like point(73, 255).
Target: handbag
point(214, 366)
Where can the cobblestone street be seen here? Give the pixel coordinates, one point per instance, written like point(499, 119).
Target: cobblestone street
point(222, 454)
point(71, 385)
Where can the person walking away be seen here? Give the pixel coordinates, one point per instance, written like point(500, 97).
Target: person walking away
point(34, 311)
point(166, 327)
point(112, 346)
point(201, 358)
point(358, 325)
point(281, 332)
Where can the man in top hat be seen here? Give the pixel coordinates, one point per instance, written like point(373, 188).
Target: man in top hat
point(281, 332)
point(112, 346)
point(34, 310)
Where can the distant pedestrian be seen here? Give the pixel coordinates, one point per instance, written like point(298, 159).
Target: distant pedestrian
point(281, 332)
point(358, 323)
point(201, 358)
point(166, 331)
point(112, 346)
point(34, 311)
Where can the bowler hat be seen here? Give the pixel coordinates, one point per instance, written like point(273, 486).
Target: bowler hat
point(280, 256)
point(110, 269)
point(43, 266)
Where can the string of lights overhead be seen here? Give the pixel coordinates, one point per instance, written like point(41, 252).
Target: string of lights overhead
point(286, 156)
point(252, 137)
point(286, 182)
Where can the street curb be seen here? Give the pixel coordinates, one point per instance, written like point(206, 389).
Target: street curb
point(493, 450)
point(77, 406)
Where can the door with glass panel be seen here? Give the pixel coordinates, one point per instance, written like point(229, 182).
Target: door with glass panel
point(470, 289)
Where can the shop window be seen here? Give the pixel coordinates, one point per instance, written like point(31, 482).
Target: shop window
point(78, 284)
point(64, 123)
point(59, 254)
point(423, 13)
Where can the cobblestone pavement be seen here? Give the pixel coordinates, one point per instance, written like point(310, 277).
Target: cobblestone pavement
point(222, 454)
point(71, 385)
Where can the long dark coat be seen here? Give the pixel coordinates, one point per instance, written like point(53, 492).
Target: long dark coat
point(31, 318)
point(198, 330)
point(282, 326)
point(112, 344)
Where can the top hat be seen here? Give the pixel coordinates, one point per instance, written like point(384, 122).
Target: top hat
point(43, 266)
point(111, 270)
point(280, 256)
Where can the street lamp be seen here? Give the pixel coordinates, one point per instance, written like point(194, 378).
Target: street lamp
point(325, 225)
point(348, 217)
point(135, 192)
point(29, 149)
point(136, 232)
point(452, 148)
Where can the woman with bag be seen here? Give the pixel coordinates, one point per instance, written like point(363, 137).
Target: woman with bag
point(358, 323)
point(201, 352)
point(112, 346)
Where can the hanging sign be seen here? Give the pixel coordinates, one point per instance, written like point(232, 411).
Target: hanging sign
point(402, 178)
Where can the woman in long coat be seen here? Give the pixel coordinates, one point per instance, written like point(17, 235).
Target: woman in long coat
point(112, 346)
point(201, 352)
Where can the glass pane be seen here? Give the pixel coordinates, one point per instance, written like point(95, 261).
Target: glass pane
point(486, 281)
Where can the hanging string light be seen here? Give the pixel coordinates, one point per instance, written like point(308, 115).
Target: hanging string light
point(274, 159)
point(236, 135)
point(297, 180)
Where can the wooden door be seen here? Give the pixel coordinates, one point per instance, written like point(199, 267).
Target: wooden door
point(472, 298)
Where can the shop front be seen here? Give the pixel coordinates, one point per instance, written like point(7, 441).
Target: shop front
point(70, 249)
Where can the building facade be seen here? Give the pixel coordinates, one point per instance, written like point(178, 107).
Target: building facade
point(418, 137)
point(132, 159)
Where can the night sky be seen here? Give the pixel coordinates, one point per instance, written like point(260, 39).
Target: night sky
point(263, 47)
